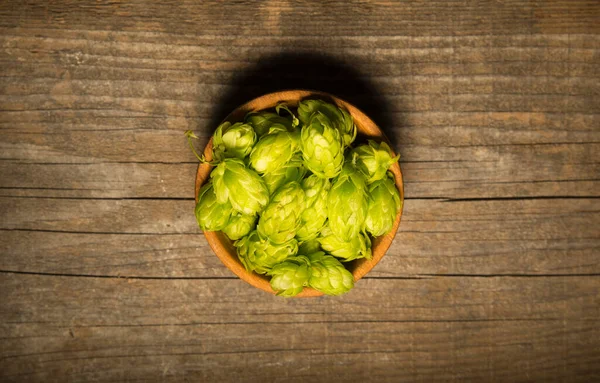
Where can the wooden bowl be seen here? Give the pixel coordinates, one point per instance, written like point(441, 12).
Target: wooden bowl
point(223, 246)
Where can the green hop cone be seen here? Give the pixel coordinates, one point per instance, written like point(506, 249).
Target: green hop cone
point(315, 213)
point(293, 170)
point(240, 225)
point(260, 255)
point(384, 203)
point(242, 187)
point(273, 150)
point(210, 214)
point(340, 118)
point(322, 147)
point(281, 218)
point(347, 204)
point(328, 275)
point(309, 247)
point(289, 277)
point(358, 247)
point(233, 141)
point(374, 160)
point(263, 121)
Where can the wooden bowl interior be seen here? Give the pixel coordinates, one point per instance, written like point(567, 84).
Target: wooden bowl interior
point(223, 246)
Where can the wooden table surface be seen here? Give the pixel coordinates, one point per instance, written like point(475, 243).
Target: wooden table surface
point(494, 274)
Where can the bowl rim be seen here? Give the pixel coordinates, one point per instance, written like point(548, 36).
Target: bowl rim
point(223, 246)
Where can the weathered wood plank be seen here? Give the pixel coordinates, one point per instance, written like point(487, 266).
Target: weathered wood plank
point(151, 255)
point(98, 180)
point(99, 216)
point(532, 236)
point(491, 351)
point(283, 18)
point(511, 171)
point(118, 301)
point(166, 89)
point(430, 329)
point(195, 41)
point(171, 147)
point(89, 66)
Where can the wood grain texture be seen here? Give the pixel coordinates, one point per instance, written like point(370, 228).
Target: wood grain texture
point(473, 328)
point(494, 273)
point(539, 236)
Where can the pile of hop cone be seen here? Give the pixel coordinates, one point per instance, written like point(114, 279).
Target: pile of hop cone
point(297, 197)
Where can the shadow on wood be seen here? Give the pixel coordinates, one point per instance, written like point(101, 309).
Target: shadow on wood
point(310, 71)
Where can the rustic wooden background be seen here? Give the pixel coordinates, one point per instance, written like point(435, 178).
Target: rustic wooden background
point(495, 271)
